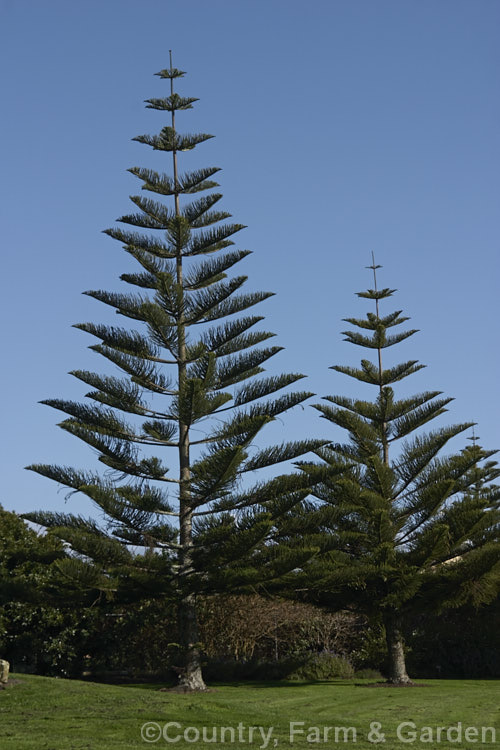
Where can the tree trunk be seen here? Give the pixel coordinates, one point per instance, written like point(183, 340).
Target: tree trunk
point(395, 650)
point(190, 675)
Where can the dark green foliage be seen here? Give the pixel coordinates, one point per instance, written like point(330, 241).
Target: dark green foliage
point(456, 644)
point(323, 666)
point(46, 639)
point(35, 634)
point(403, 527)
point(25, 558)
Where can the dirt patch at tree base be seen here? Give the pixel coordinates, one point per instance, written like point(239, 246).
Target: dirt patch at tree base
point(10, 683)
point(184, 690)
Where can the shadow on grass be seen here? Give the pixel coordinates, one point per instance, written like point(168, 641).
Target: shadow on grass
point(257, 684)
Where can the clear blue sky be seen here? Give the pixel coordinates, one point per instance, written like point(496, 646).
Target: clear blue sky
point(342, 126)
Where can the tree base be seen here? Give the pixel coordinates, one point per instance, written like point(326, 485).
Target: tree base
point(190, 682)
point(405, 682)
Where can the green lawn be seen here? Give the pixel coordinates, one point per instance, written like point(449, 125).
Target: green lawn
point(51, 714)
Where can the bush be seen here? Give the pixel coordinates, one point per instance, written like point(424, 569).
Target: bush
point(324, 667)
point(307, 668)
point(369, 650)
point(253, 627)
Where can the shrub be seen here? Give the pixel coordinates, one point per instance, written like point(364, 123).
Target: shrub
point(324, 667)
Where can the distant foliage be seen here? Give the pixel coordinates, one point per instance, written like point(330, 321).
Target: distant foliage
point(254, 627)
point(457, 644)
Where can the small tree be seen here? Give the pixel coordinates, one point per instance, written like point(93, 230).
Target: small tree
point(403, 529)
point(199, 536)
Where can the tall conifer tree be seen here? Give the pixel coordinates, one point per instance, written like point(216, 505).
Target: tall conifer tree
point(402, 528)
point(189, 380)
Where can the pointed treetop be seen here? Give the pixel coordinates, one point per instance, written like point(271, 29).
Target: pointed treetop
point(171, 72)
point(376, 293)
point(374, 268)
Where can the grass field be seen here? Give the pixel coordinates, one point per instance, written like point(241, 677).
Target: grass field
point(51, 714)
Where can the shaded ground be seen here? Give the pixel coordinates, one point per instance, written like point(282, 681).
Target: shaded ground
point(38, 713)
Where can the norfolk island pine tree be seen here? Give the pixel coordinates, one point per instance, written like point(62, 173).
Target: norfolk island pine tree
point(201, 528)
point(401, 529)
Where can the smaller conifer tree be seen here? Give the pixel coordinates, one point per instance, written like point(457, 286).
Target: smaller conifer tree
point(401, 529)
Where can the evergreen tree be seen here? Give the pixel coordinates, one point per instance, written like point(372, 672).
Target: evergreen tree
point(189, 379)
point(25, 557)
point(402, 528)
